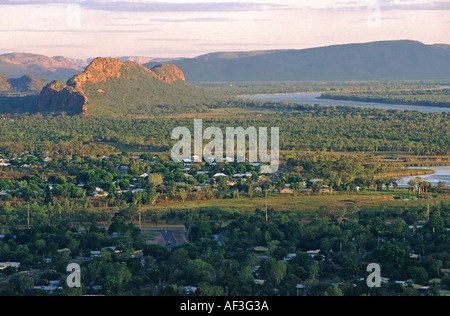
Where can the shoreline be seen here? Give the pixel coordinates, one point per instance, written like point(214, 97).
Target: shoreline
point(405, 173)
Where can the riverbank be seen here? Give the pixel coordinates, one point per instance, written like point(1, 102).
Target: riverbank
point(405, 173)
point(315, 98)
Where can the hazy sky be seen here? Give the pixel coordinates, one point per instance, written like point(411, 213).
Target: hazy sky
point(175, 28)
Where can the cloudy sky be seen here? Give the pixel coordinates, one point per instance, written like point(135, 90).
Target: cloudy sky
point(175, 28)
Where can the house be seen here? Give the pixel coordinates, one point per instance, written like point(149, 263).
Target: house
point(198, 188)
point(260, 249)
point(219, 175)
point(301, 288)
point(95, 253)
point(313, 253)
point(4, 265)
point(99, 194)
point(49, 288)
point(289, 256)
point(190, 289)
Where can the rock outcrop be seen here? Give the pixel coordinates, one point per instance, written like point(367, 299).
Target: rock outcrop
point(72, 98)
point(168, 73)
point(59, 97)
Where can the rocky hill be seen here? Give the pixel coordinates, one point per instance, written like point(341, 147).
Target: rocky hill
point(22, 85)
point(112, 87)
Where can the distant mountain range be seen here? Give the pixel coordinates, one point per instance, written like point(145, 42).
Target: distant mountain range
point(16, 65)
point(386, 60)
point(383, 60)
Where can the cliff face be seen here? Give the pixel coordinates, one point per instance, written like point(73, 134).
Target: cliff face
point(168, 73)
point(58, 97)
point(71, 97)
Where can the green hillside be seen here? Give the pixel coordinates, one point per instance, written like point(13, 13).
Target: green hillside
point(110, 87)
point(25, 84)
point(137, 93)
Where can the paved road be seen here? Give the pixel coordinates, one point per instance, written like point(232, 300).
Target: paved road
point(169, 238)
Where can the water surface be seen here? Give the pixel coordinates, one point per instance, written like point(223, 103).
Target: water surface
point(313, 98)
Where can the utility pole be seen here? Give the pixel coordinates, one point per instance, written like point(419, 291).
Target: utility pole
point(140, 223)
point(266, 208)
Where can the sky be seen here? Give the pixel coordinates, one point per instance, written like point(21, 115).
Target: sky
point(189, 28)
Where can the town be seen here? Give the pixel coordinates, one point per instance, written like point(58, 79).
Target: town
point(274, 252)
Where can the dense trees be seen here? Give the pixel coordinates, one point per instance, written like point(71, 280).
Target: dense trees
point(222, 259)
point(302, 127)
point(427, 97)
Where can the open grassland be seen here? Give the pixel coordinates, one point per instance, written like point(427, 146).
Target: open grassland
point(308, 204)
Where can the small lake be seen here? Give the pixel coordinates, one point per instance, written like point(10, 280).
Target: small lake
point(313, 98)
point(441, 174)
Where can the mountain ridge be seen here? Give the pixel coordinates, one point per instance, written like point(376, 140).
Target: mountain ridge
point(19, 64)
point(112, 87)
point(380, 60)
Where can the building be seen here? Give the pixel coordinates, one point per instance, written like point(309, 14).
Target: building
point(4, 265)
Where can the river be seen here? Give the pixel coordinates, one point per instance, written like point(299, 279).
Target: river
point(313, 98)
point(441, 174)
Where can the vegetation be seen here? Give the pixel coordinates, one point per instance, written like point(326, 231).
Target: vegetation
point(275, 87)
point(434, 97)
point(302, 127)
point(135, 94)
point(221, 260)
point(95, 190)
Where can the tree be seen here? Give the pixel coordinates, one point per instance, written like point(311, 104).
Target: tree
point(274, 269)
point(155, 179)
point(412, 186)
point(418, 274)
point(333, 291)
point(314, 269)
point(441, 185)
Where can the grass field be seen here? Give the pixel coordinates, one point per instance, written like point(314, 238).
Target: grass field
point(307, 204)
